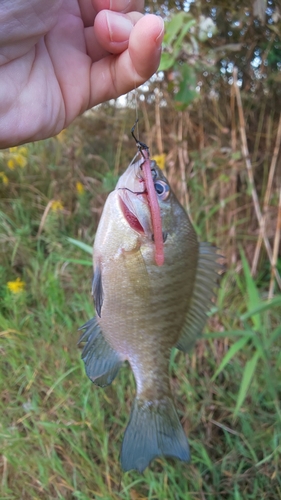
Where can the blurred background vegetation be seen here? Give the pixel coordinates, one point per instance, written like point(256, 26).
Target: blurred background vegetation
point(212, 114)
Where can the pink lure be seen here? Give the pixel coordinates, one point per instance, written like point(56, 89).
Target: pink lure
point(154, 208)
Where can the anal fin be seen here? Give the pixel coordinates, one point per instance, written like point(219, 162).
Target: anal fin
point(206, 281)
point(101, 361)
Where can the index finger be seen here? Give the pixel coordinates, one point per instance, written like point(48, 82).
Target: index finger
point(90, 8)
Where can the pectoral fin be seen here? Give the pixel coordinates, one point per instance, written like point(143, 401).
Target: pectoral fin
point(205, 283)
point(101, 361)
point(97, 289)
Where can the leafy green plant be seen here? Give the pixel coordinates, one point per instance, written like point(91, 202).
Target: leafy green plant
point(83, 246)
point(175, 32)
point(257, 338)
point(181, 54)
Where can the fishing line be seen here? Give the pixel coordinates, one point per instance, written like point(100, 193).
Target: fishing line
point(137, 173)
point(136, 109)
point(136, 124)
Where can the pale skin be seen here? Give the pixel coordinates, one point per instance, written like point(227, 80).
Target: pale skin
point(59, 58)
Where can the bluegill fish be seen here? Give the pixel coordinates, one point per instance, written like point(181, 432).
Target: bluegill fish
point(144, 309)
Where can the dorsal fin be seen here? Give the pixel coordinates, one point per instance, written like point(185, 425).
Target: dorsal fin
point(206, 281)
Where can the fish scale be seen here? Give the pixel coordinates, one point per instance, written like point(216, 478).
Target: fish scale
point(143, 310)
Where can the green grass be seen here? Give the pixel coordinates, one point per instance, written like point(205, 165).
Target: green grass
point(60, 435)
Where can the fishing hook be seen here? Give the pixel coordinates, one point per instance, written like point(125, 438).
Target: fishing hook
point(140, 145)
point(134, 192)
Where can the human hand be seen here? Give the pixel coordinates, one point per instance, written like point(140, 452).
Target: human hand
point(61, 57)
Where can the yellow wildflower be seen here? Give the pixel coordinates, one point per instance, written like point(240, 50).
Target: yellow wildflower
point(80, 188)
point(13, 149)
point(160, 160)
point(20, 160)
point(16, 286)
point(23, 151)
point(61, 135)
point(4, 178)
point(11, 164)
point(56, 206)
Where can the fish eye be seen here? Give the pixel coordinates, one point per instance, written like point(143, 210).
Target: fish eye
point(162, 189)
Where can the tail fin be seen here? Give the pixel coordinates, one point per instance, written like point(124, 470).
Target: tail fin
point(154, 430)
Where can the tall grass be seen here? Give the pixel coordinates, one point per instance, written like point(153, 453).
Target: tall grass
point(60, 436)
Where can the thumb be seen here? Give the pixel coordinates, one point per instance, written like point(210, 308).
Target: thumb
point(117, 74)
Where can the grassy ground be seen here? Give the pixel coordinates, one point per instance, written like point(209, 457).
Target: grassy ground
point(60, 435)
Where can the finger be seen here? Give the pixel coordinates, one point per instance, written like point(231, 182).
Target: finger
point(90, 8)
point(110, 33)
point(124, 6)
point(117, 74)
point(88, 12)
point(93, 47)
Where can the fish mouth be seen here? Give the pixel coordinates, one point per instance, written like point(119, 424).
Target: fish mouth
point(134, 209)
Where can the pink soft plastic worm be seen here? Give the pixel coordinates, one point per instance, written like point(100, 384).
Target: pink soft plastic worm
point(154, 208)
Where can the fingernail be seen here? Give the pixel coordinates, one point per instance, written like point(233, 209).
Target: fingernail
point(119, 26)
point(162, 27)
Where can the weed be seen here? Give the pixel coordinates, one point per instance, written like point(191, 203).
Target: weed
point(60, 436)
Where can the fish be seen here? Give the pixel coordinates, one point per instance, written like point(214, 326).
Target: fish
point(146, 305)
